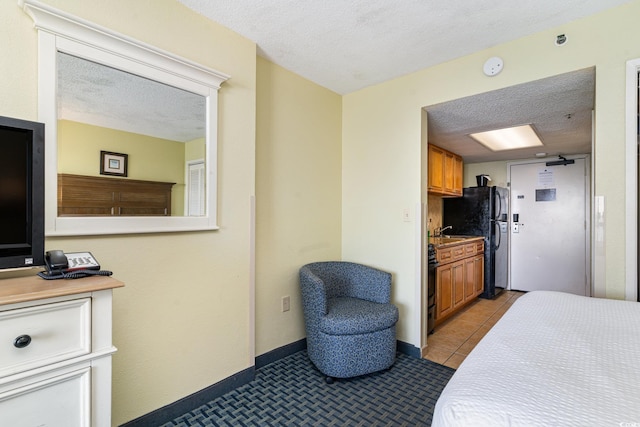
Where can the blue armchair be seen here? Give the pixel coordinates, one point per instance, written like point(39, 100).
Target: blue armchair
point(349, 320)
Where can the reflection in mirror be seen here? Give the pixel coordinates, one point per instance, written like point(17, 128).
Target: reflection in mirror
point(159, 129)
point(61, 32)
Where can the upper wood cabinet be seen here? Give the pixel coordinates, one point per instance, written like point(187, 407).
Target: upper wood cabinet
point(445, 172)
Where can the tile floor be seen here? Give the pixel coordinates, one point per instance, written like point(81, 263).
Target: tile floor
point(454, 339)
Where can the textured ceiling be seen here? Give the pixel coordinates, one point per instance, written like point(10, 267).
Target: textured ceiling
point(102, 96)
point(348, 45)
point(559, 108)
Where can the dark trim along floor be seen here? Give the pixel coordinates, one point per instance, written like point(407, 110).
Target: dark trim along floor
point(214, 391)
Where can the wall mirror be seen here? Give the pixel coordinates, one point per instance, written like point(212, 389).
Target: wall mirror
point(156, 132)
point(109, 101)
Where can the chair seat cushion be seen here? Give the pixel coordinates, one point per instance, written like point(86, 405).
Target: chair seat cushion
point(352, 316)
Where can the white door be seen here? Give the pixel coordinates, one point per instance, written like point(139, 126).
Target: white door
point(195, 194)
point(549, 223)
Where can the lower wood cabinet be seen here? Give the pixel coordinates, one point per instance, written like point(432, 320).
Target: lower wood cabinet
point(444, 291)
point(459, 278)
point(479, 272)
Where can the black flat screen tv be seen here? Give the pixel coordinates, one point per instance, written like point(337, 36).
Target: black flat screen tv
point(21, 193)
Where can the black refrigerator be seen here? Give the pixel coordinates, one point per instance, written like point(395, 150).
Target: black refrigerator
point(483, 211)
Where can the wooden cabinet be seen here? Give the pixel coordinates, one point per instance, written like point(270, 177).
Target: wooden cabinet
point(459, 276)
point(458, 168)
point(479, 273)
point(445, 172)
point(436, 169)
point(469, 278)
point(444, 290)
point(80, 195)
point(459, 280)
point(55, 352)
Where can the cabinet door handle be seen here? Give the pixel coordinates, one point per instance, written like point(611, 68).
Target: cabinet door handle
point(22, 341)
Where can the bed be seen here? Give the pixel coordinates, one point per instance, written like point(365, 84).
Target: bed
point(554, 359)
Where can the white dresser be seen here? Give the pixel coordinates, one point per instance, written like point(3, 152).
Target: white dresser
point(55, 352)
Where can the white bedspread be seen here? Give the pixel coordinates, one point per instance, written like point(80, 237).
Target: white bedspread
point(554, 359)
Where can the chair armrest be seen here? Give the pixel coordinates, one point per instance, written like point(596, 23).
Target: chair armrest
point(314, 299)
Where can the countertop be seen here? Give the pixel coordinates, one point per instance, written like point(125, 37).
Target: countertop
point(33, 287)
point(450, 240)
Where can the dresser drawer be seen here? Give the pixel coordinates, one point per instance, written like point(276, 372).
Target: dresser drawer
point(39, 335)
point(59, 398)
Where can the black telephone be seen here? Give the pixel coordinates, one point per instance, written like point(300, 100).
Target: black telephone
point(71, 266)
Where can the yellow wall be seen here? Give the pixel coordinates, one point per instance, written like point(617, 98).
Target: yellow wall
point(331, 175)
point(382, 143)
point(194, 150)
point(184, 320)
point(496, 170)
point(298, 185)
point(149, 158)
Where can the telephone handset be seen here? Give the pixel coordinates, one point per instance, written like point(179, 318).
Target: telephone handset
point(71, 266)
point(56, 260)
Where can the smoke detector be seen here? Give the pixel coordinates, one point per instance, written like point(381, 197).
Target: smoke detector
point(493, 66)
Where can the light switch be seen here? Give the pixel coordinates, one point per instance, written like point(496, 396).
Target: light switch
point(405, 215)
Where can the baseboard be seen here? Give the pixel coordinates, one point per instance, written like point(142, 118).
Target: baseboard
point(408, 349)
point(199, 398)
point(186, 404)
point(280, 352)
point(286, 350)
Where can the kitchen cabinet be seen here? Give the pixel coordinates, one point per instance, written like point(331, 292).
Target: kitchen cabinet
point(55, 351)
point(479, 272)
point(469, 278)
point(445, 172)
point(444, 291)
point(459, 276)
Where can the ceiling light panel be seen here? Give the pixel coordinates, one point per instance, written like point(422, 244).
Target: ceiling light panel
point(508, 138)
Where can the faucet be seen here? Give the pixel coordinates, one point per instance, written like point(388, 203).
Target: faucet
point(439, 230)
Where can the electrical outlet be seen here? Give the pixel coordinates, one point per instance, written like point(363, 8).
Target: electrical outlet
point(286, 303)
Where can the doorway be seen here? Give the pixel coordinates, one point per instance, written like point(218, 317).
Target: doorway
point(549, 237)
point(560, 108)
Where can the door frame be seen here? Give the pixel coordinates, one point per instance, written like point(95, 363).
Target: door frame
point(631, 187)
point(589, 206)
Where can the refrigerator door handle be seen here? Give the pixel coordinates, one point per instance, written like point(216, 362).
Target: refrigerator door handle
point(498, 234)
point(499, 197)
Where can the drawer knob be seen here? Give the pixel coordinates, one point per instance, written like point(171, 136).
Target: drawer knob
point(22, 341)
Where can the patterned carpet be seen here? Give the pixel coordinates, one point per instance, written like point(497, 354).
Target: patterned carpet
point(291, 392)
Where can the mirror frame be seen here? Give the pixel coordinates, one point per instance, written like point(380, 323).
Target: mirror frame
point(61, 32)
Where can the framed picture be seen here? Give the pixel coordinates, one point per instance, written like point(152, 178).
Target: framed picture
point(113, 163)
